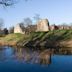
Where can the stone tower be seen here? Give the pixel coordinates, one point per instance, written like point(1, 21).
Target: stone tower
point(43, 25)
point(18, 29)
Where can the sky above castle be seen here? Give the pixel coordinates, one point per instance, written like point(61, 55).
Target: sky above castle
point(57, 11)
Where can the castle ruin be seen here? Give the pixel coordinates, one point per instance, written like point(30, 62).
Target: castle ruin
point(43, 25)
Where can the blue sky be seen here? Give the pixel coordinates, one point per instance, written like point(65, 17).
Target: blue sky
point(57, 11)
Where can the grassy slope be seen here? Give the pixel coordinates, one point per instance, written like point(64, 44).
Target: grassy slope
point(13, 39)
point(62, 38)
point(55, 38)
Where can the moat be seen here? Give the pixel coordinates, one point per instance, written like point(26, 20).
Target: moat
point(29, 60)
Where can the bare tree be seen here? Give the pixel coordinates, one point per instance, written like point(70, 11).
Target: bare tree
point(37, 17)
point(5, 31)
point(1, 23)
point(9, 2)
point(22, 26)
point(27, 22)
point(11, 29)
point(29, 27)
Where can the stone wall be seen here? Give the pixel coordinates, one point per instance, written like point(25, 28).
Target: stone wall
point(18, 29)
point(43, 25)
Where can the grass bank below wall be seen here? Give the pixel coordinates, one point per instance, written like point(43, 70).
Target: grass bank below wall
point(57, 38)
point(13, 39)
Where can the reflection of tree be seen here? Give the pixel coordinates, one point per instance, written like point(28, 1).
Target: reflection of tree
point(45, 57)
point(64, 51)
point(19, 54)
point(33, 57)
point(22, 55)
point(38, 57)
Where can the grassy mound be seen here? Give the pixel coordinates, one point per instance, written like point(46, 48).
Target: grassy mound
point(56, 38)
point(13, 39)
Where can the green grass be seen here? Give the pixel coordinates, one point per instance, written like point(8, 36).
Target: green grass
point(14, 37)
point(55, 35)
point(41, 37)
point(51, 35)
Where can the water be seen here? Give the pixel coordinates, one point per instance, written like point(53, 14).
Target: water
point(27, 60)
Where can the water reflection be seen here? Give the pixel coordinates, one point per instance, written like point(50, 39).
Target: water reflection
point(31, 56)
point(64, 51)
point(27, 55)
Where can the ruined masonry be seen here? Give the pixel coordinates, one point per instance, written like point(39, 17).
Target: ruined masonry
point(18, 29)
point(43, 25)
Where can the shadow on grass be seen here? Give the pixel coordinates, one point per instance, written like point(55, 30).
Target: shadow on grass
point(50, 39)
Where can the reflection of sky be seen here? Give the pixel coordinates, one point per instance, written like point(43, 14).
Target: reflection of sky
point(59, 63)
point(62, 63)
point(6, 53)
point(57, 11)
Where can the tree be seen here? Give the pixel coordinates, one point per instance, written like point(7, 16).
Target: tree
point(1, 23)
point(5, 31)
point(22, 26)
point(27, 21)
point(37, 17)
point(9, 2)
point(11, 29)
point(27, 24)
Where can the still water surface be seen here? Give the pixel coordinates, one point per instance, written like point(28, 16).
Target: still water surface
point(26, 60)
